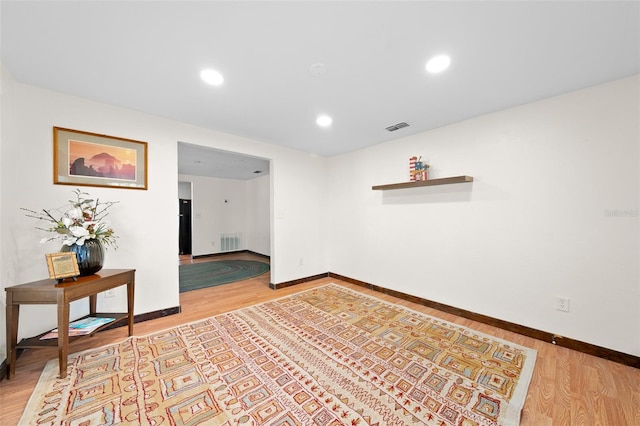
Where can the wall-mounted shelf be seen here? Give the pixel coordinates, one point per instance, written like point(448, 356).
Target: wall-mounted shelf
point(428, 182)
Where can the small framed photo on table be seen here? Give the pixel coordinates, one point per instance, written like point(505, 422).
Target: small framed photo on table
point(62, 265)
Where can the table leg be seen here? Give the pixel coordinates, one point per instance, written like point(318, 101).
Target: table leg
point(13, 312)
point(92, 304)
point(130, 294)
point(63, 334)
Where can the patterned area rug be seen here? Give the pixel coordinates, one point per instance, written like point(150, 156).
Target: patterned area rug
point(208, 274)
point(327, 356)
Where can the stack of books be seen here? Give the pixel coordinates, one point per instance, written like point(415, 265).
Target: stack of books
point(80, 327)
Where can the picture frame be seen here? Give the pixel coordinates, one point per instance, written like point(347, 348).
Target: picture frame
point(62, 265)
point(89, 159)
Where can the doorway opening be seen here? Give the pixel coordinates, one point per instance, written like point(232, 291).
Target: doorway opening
point(223, 193)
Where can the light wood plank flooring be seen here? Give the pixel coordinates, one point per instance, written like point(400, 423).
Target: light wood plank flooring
point(567, 388)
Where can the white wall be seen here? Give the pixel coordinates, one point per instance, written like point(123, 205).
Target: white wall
point(553, 210)
point(146, 221)
point(217, 207)
point(8, 171)
point(258, 215)
point(184, 190)
point(538, 222)
point(223, 206)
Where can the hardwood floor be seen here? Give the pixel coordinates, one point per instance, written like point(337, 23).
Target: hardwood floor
point(567, 388)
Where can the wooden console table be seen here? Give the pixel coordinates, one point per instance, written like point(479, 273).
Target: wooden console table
point(48, 292)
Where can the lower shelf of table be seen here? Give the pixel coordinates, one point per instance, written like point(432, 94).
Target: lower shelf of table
point(35, 342)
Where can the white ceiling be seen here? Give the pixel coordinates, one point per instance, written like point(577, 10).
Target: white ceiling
point(147, 56)
point(203, 161)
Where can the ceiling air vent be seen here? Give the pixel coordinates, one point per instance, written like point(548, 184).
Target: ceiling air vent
point(397, 126)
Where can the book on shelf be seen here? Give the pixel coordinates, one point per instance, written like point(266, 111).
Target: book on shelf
point(80, 327)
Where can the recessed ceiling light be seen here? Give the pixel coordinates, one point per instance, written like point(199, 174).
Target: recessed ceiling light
point(212, 77)
point(438, 64)
point(324, 121)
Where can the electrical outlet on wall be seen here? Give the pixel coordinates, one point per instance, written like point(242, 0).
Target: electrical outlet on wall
point(110, 293)
point(562, 304)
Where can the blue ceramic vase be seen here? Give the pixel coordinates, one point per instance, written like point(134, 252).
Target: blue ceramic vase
point(90, 256)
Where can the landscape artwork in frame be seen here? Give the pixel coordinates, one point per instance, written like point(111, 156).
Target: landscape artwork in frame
point(89, 159)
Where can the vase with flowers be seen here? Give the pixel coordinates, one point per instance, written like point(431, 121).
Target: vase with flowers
point(82, 229)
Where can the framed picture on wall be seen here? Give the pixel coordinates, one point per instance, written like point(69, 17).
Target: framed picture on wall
point(89, 159)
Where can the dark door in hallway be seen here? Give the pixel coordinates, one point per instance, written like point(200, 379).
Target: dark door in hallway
point(185, 227)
